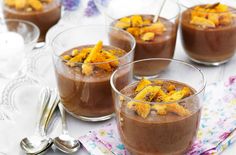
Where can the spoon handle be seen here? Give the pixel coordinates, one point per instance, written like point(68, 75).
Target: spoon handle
point(156, 17)
point(44, 99)
point(49, 109)
point(63, 119)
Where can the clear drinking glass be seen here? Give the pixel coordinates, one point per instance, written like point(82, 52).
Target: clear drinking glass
point(212, 41)
point(17, 39)
point(88, 97)
point(158, 134)
point(44, 19)
point(162, 45)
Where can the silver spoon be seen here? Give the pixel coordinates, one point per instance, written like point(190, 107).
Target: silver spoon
point(39, 141)
point(156, 17)
point(65, 142)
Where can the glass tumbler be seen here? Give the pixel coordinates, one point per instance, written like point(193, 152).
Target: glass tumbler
point(17, 39)
point(158, 134)
point(154, 40)
point(44, 18)
point(208, 30)
point(88, 97)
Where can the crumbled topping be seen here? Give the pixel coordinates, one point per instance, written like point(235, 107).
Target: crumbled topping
point(27, 5)
point(142, 109)
point(149, 36)
point(141, 28)
point(211, 16)
point(88, 55)
point(158, 91)
point(142, 84)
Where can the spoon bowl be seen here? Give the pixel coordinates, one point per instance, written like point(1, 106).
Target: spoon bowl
point(39, 143)
point(66, 144)
point(35, 144)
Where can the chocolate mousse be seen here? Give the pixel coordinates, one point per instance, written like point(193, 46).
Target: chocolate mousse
point(209, 33)
point(153, 40)
point(83, 75)
point(43, 13)
point(149, 125)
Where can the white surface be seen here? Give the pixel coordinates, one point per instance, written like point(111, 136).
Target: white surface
point(23, 121)
point(11, 48)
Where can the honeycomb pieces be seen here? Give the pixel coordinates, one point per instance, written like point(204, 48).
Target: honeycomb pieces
point(211, 16)
point(147, 91)
point(28, 5)
point(89, 57)
point(140, 27)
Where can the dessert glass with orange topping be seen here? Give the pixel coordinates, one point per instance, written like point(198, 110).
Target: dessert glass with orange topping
point(159, 116)
point(209, 31)
point(84, 60)
point(43, 13)
point(154, 39)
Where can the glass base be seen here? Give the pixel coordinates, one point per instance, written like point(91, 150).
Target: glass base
point(91, 119)
point(209, 63)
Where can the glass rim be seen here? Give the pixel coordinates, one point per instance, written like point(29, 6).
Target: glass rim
point(35, 39)
point(114, 19)
point(193, 6)
point(96, 26)
point(202, 88)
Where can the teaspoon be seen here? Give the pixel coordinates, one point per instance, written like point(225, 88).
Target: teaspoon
point(39, 141)
point(65, 142)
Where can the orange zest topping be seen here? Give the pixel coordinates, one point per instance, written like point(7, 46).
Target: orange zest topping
point(27, 5)
point(106, 60)
point(171, 87)
point(202, 22)
point(134, 31)
point(10, 3)
point(142, 109)
point(20, 4)
point(141, 27)
point(157, 28)
point(136, 21)
point(149, 36)
point(211, 16)
point(160, 109)
point(123, 23)
point(177, 95)
point(177, 109)
point(36, 5)
point(142, 84)
point(148, 91)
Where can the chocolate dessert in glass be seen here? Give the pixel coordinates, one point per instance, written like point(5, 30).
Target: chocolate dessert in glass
point(209, 31)
point(159, 116)
point(84, 60)
point(43, 13)
point(154, 39)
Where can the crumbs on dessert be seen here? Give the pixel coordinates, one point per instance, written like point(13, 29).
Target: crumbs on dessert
point(154, 91)
point(27, 5)
point(211, 15)
point(141, 28)
point(90, 57)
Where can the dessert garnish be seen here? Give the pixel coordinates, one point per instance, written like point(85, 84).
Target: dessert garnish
point(211, 15)
point(27, 5)
point(141, 28)
point(159, 91)
point(103, 58)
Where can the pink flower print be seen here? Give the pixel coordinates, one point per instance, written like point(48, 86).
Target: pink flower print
point(224, 135)
point(231, 81)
